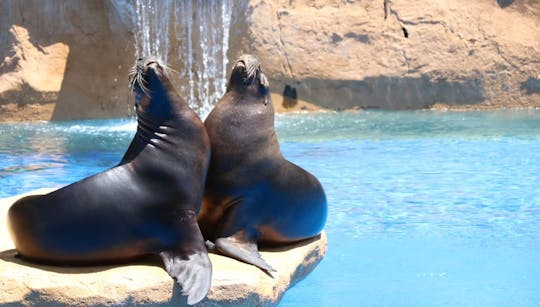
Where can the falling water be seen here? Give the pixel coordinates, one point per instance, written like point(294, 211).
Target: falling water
point(152, 38)
point(191, 37)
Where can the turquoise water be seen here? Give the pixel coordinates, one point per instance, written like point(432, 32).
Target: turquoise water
point(425, 208)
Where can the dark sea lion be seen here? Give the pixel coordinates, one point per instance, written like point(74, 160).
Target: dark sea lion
point(253, 195)
point(146, 205)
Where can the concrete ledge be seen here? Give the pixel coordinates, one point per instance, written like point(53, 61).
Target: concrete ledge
point(146, 282)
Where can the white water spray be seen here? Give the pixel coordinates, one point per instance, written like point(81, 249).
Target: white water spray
point(192, 37)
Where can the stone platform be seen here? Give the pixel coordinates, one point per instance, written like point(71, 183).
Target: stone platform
point(146, 282)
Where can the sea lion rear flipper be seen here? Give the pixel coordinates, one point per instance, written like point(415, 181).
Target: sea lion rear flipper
point(238, 248)
point(193, 274)
point(210, 246)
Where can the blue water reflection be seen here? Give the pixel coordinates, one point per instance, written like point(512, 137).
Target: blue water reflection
point(425, 208)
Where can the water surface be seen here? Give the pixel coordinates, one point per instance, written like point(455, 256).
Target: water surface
point(425, 208)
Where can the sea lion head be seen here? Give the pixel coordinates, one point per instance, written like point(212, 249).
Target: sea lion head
point(152, 88)
point(144, 74)
point(247, 76)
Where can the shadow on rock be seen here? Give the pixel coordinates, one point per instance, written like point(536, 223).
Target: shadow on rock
point(531, 86)
point(13, 256)
point(504, 3)
point(390, 92)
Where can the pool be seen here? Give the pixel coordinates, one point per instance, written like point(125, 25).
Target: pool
point(425, 208)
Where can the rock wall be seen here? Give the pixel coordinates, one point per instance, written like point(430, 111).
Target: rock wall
point(63, 60)
point(397, 54)
point(70, 59)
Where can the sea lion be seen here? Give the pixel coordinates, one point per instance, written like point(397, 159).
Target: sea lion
point(147, 204)
point(253, 195)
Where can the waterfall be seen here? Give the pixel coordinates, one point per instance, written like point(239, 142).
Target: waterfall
point(192, 38)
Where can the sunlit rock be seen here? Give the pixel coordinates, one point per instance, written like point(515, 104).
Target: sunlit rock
point(398, 54)
point(146, 282)
point(447, 54)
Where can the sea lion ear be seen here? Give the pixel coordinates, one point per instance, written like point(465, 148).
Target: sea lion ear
point(265, 86)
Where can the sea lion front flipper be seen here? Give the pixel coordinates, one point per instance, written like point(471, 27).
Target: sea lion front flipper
point(238, 247)
point(193, 274)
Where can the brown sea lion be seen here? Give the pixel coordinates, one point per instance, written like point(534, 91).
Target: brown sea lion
point(253, 195)
point(146, 205)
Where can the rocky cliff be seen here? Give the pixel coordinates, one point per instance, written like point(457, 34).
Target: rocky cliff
point(397, 54)
point(69, 59)
point(63, 60)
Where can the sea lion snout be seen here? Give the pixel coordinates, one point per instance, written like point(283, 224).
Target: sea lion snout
point(248, 67)
point(239, 75)
point(239, 65)
point(142, 71)
point(246, 72)
point(153, 70)
point(153, 65)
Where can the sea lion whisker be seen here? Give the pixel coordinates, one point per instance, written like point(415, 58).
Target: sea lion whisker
point(253, 76)
point(133, 80)
point(131, 75)
point(252, 80)
point(131, 86)
point(251, 71)
point(137, 72)
point(142, 84)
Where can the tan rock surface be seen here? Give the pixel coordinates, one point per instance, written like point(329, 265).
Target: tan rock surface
point(337, 54)
point(42, 68)
point(342, 54)
point(33, 78)
point(146, 282)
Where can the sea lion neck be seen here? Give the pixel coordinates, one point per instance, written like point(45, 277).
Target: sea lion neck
point(162, 115)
